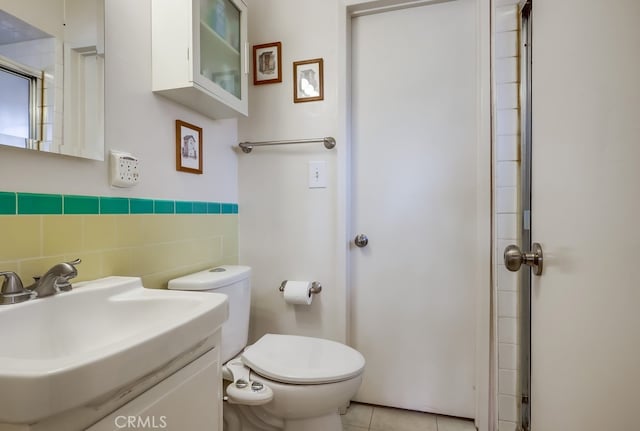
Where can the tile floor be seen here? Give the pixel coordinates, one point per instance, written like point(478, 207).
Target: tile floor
point(363, 417)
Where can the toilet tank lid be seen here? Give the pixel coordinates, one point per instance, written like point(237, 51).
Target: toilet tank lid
point(210, 279)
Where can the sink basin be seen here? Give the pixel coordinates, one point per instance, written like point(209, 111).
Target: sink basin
point(67, 350)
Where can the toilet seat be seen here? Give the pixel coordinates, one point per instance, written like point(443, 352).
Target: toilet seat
point(302, 360)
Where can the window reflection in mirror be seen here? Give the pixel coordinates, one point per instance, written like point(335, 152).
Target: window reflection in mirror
point(55, 50)
point(27, 60)
point(15, 108)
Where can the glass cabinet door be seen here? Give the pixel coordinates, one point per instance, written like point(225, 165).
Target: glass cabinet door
point(220, 45)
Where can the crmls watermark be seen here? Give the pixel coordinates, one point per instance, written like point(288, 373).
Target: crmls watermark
point(140, 422)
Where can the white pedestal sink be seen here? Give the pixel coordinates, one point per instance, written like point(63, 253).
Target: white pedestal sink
point(87, 351)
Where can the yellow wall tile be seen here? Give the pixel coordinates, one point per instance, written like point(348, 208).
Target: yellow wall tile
point(155, 247)
point(21, 237)
point(225, 224)
point(231, 260)
point(197, 225)
point(99, 232)
point(61, 234)
point(118, 262)
point(159, 280)
point(210, 248)
point(162, 228)
point(182, 253)
point(130, 231)
point(9, 266)
point(230, 245)
point(148, 259)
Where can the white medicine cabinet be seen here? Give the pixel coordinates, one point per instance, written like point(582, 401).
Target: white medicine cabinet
point(200, 54)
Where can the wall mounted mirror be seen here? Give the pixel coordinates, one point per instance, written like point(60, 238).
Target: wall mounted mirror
point(52, 76)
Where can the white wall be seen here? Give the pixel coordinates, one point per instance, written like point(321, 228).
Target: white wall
point(288, 231)
point(137, 121)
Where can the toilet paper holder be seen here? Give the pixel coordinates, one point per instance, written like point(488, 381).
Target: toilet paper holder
point(316, 287)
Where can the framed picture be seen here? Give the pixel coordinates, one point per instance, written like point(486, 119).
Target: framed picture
point(307, 83)
point(188, 147)
point(267, 63)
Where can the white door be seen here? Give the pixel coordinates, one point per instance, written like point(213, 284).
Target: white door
point(415, 170)
point(586, 203)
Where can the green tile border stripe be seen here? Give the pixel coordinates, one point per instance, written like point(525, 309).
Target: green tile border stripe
point(18, 203)
point(110, 205)
point(140, 206)
point(183, 207)
point(8, 203)
point(164, 207)
point(81, 204)
point(37, 203)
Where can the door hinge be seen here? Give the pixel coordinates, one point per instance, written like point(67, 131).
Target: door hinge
point(524, 418)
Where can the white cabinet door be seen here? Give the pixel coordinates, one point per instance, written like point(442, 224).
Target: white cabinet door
point(199, 55)
point(220, 33)
point(585, 205)
point(190, 399)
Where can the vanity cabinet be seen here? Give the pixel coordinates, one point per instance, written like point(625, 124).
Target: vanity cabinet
point(190, 399)
point(200, 54)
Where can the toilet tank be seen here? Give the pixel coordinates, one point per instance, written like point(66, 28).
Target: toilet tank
point(235, 282)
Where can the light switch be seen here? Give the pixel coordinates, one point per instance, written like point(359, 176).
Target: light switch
point(317, 175)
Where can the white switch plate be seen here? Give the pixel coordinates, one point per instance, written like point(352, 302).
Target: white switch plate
point(317, 175)
point(125, 169)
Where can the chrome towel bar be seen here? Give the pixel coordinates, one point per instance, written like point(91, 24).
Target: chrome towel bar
point(328, 142)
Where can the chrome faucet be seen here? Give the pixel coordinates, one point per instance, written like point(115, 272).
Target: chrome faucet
point(12, 291)
point(55, 280)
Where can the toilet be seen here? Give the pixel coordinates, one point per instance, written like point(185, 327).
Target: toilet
point(281, 382)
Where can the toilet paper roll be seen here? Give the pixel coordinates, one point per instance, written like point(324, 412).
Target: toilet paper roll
point(298, 292)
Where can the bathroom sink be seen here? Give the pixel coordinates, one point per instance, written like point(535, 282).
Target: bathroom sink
point(78, 347)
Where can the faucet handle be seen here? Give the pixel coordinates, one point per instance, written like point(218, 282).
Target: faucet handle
point(74, 271)
point(75, 262)
point(62, 283)
point(12, 290)
point(12, 283)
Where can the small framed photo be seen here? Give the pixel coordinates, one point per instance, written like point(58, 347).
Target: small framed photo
point(307, 83)
point(188, 147)
point(267, 63)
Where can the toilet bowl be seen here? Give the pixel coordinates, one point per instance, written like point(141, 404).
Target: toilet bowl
point(281, 382)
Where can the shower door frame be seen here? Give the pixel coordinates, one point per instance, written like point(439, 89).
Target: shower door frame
point(525, 204)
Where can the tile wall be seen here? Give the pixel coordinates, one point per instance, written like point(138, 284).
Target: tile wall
point(154, 239)
point(507, 182)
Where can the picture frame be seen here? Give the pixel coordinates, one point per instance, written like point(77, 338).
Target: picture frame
point(188, 147)
point(267, 63)
point(308, 85)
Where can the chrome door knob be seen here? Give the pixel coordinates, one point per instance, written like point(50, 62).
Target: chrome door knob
point(514, 258)
point(361, 240)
